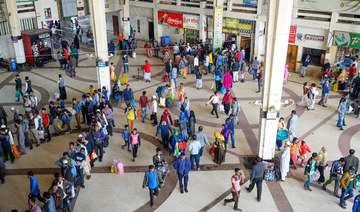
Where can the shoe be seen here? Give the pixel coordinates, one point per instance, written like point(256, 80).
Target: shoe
point(259, 200)
point(324, 188)
point(152, 206)
point(31, 147)
point(305, 188)
point(344, 124)
point(88, 177)
point(237, 209)
point(134, 159)
point(248, 190)
point(257, 92)
point(3, 181)
point(309, 189)
point(82, 186)
point(182, 191)
point(49, 140)
point(129, 150)
point(113, 125)
point(340, 129)
point(37, 145)
point(343, 206)
point(142, 121)
point(122, 147)
point(100, 160)
point(345, 203)
point(12, 161)
point(186, 190)
point(225, 202)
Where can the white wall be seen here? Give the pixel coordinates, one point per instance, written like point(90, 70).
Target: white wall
point(6, 47)
point(172, 32)
point(40, 5)
point(144, 15)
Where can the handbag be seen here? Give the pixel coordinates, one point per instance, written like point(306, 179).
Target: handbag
point(93, 155)
point(335, 88)
point(182, 145)
point(106, 142)
point(133, 104)
point(223, 90)
point(221, 108)
point(212, 150)
point(316, 176)
point(117, 96)
point(41, 134)
point(139, 113)
point(17, 94)
point(59, 126)
point(15, 151)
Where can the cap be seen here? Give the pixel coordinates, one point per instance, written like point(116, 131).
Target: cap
point(12, 108)
point(288, 143)
point(80, 136)
point(154, 97)
point(237, 169)
point(3, 126)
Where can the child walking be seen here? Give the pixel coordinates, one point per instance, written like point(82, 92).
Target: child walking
point(304, 148)
point(125, 135)
point(135, 142)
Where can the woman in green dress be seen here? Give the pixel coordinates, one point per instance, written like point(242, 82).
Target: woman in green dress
point(219, 154)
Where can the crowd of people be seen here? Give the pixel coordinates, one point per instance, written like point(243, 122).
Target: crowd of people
point(94, 117)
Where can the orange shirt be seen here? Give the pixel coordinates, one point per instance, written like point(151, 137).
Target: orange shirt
point(120, 38)
point(294, 148)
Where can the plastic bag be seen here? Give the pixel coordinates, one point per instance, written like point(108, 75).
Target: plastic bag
point(41, 134)
point(335, 88)
point(120, 168)
point(162, 102)
point(178, 104)
point(316, 176)
point(221, 108)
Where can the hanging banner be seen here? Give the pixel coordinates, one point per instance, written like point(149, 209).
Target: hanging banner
point(218, 21)
point(245, 25)
point(191, 22)
point(69, 8)
point(292, 34)
point(170, 19)
point(250, 2)
point(346, 39)
point(232, 23)
point(349, 6)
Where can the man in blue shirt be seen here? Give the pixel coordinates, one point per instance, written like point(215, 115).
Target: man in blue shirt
point(80, 160)
point(34, 187)
point(335, 174)
point(152, 179)
point(324, 94)
point(128, 95)
point(164, 130)
point(182, 166)
point(342, 112)
point(230, 123)
point(77, 107)
point(255, 67)
point(305, 65)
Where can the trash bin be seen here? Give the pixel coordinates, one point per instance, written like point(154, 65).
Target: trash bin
point(13, 64)
point(165, 41)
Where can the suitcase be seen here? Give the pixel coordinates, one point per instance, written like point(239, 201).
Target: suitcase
point(169, 103)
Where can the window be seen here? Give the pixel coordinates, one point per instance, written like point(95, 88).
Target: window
point(138, 25)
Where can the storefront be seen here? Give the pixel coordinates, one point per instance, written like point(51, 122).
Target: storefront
point(346, 46)
point(37, 46)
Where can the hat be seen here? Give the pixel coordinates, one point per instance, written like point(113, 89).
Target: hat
point(288, 143)
point(351, 168)
point(12, 108)
point(237, 169)
point(80, 136)
point(154, 97)
point(65, 161)
point(3, 126)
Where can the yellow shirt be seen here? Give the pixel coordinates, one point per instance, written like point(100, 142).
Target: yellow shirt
point(130, 114)
point(210, 58)
point(92, 92)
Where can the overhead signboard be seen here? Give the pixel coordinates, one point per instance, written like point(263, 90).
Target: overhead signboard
point(346, 39)
point(69, 8)
point(171, 19)
point(348, 6)
point(191, 22)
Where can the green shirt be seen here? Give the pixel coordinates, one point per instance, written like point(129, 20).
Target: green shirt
point(351, 184)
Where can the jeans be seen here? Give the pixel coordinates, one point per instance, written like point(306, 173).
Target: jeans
point(337, 183)
point(201, 151)
point(344, 192)
point(27, 139)
point(38, 197)
point(303, 69)
point(61, 65)
point(80, 171)
point(7, 152)
point(127, 143)
point(47, 132)
point(134, 150)
point(215, 110)
point(156, 52)
point(254, 73)
point(126, 66)
point(68, 127)
point(227, 108)
point(310, 179)
point(232, 139)
point(99, 147)
point(175, 82)
point(72, 72)
point(260, 81)
point(153, 191)
point(143, 112)
point(197, 160)
point(258, 182)
point(165, 140)
point(186, 179)
point(191, 69)
point(340, 122)
point(321, 171)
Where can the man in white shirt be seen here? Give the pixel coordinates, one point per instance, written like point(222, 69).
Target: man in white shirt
point(154, 110)
point(196, 62)
point(194, 149)
point(176, 50)
point(214, 100)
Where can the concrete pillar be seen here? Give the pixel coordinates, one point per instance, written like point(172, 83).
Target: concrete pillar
point(329, 43)
point(98, 22)
point(277, 36)
point(125, 11)
point(259, 37)
point(229, 5)
point(217, 38)
point(156, 24)
point(202, 24)
point(14, 25)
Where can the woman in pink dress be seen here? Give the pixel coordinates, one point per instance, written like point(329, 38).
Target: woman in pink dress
point(286, 73)
point(227, 81)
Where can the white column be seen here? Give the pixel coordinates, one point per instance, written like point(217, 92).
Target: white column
point(14, 26)
point(277, 35)
point(156, 24)
point(329, 43)
point(202, 24)
point(98, 22)
point(229, 5)
point(125, 11)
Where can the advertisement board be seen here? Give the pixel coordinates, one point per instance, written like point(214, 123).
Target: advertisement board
point(191, 22)
point(349, 6)
point(347, 39)
point(170, 19)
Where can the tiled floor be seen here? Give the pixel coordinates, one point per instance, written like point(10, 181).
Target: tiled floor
point(208, 187)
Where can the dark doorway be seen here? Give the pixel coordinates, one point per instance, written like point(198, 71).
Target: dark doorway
point(151, 31)
point(115, 24)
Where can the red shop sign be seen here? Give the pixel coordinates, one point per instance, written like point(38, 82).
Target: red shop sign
point(171, 19)
point(292, 34)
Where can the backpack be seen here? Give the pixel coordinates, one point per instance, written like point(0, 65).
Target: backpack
point(158, 90)
point(210, 98)
point(169, 103)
